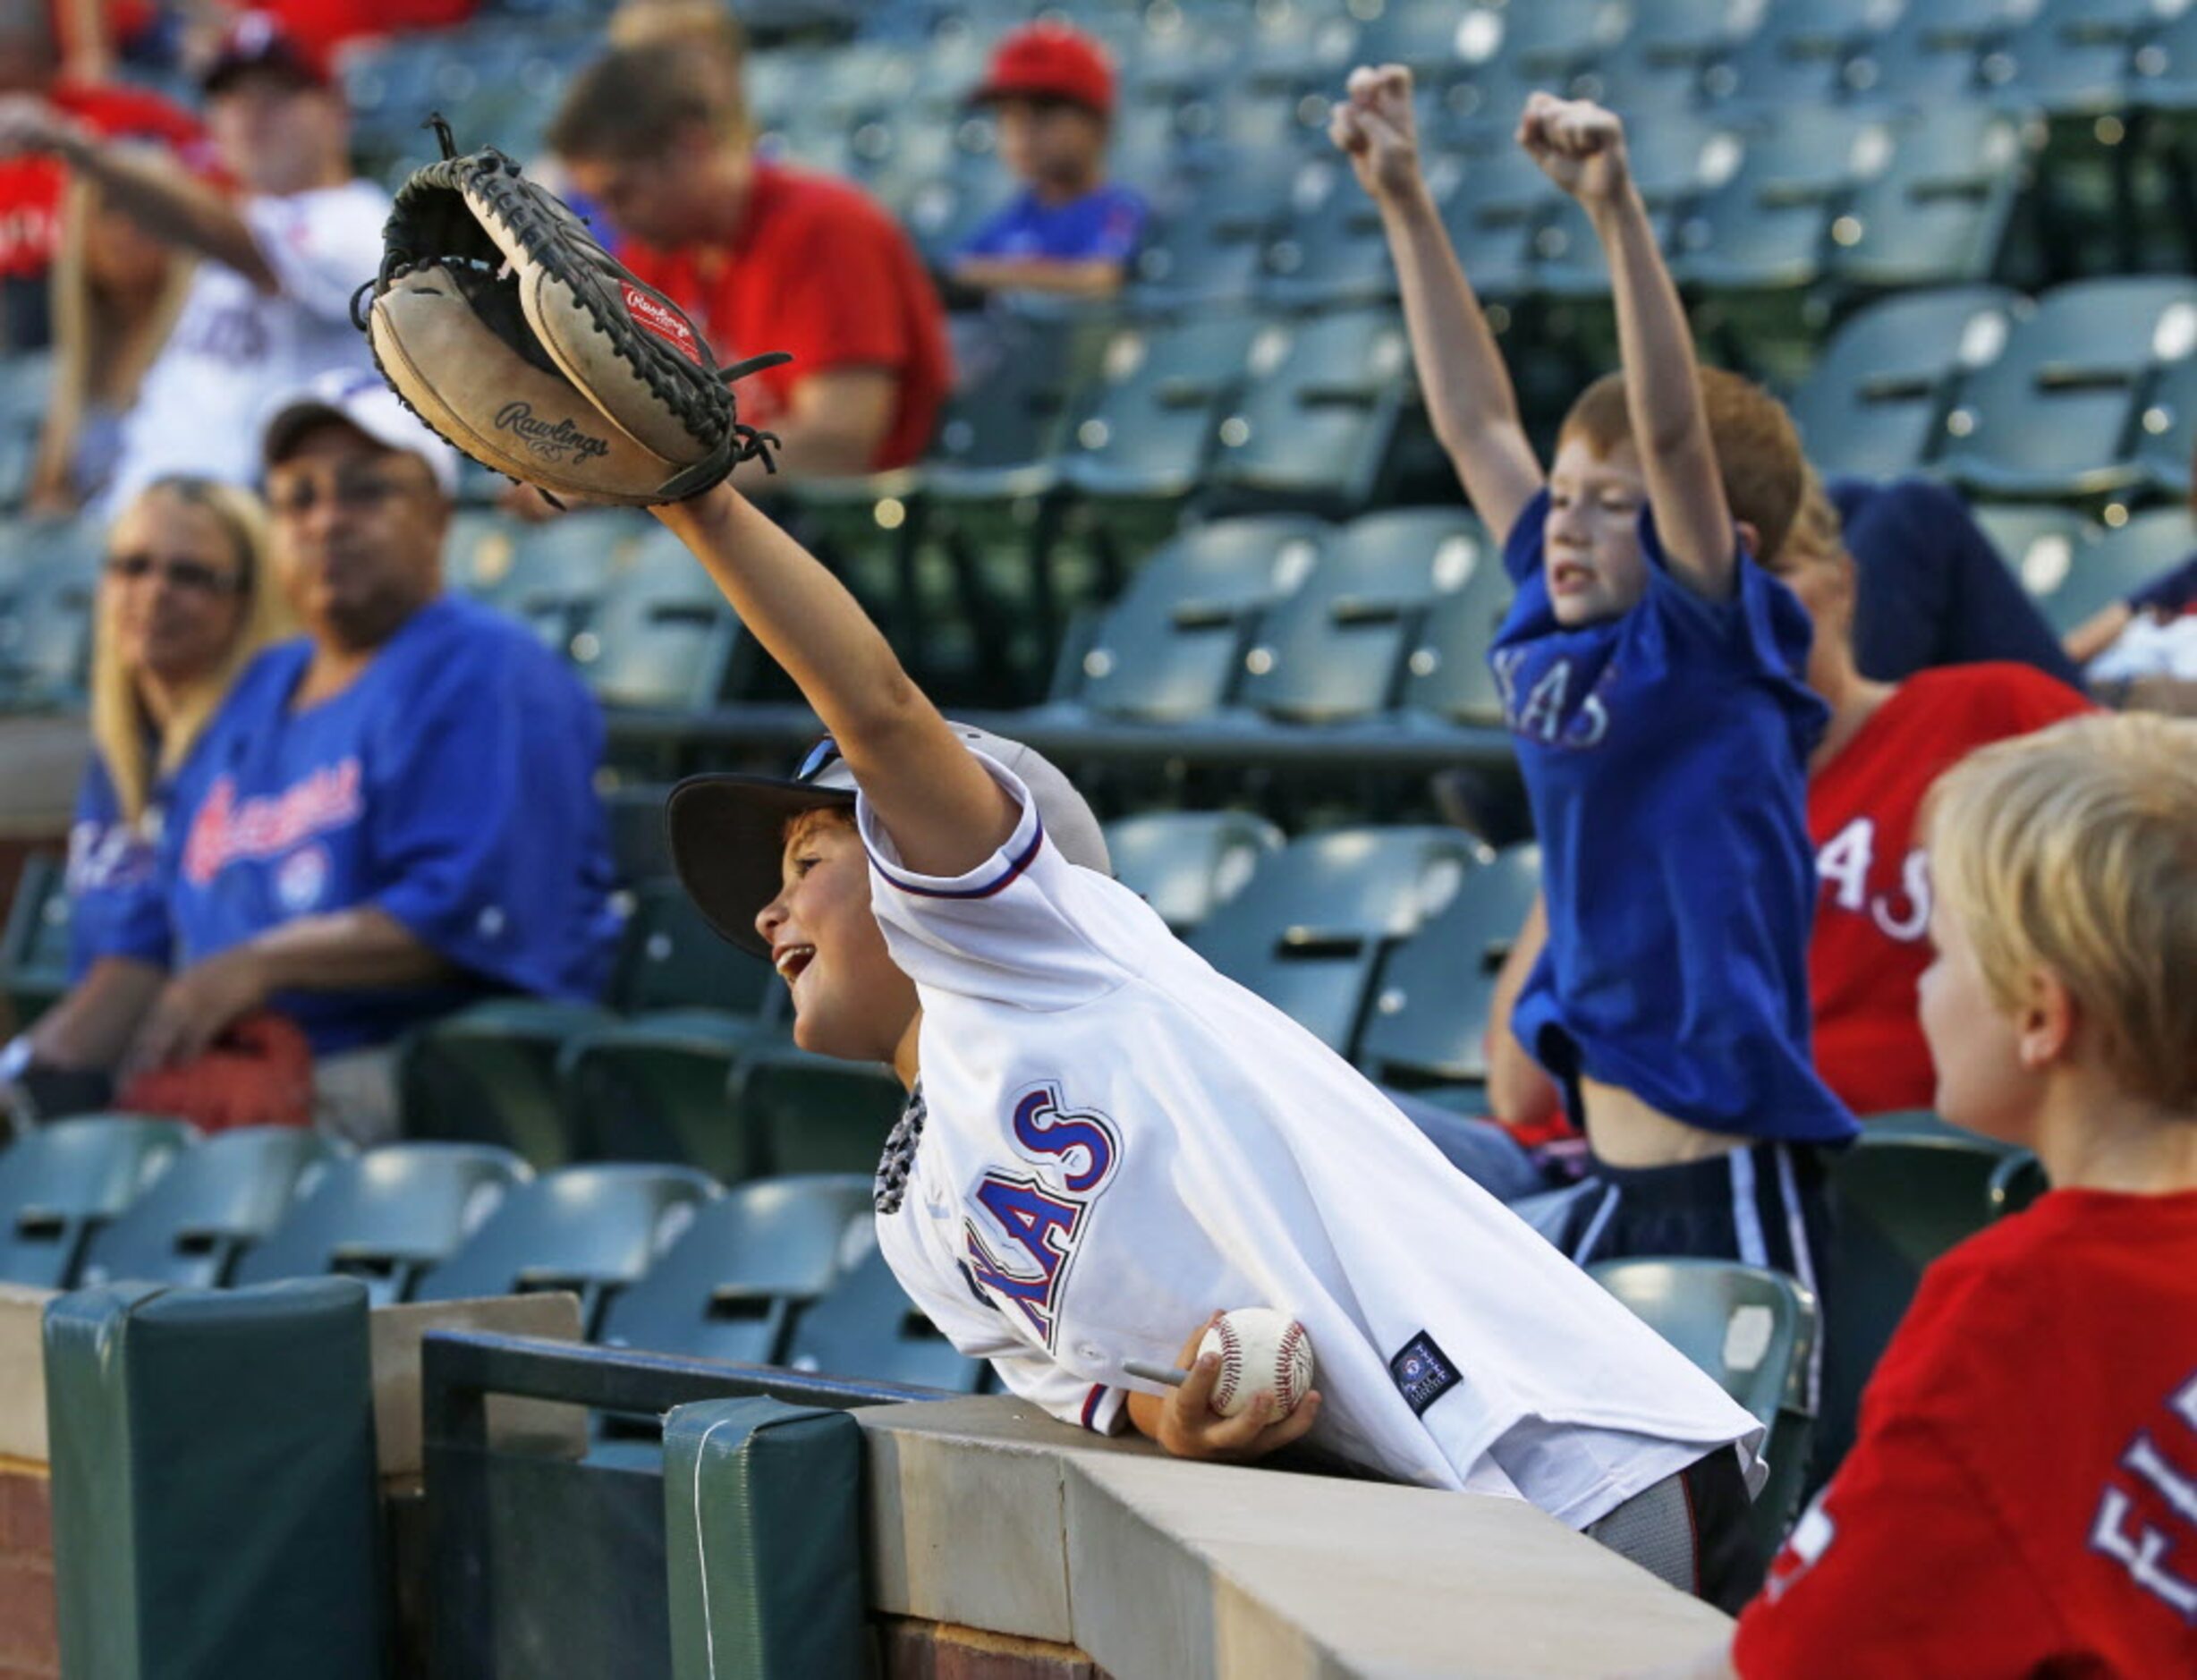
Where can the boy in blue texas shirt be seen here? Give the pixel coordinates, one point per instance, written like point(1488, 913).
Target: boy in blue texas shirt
point(1652, 677)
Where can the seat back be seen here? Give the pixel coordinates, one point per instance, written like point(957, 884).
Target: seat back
point(591, 1230)
point(1184, 864)
point(211, 1204)
point(1940, 212)
point(802, 1113)
point(730, 1286)
point(661, 635)
point(61, 1181)
point(1319, 410)
point(1436, 988)
point(558, 577)
point(670, 958)
point(34, 950)
point(387, 1216)
point(1446, 673)
point(2115, 565)
point(1309, 930)
point(1147, 421)
point(866, 1326)
point(1875, 402)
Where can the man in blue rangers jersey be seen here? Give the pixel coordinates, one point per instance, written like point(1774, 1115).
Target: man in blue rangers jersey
point(1652, 680)
point(394, 814)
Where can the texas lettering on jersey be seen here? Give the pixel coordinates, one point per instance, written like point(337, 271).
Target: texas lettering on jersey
point(1843, 862)
point(1021, 1252)
point(2158, 1551)
point(1545, 712)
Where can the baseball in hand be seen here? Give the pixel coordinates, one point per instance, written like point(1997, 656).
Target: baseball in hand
point(1262, 1351)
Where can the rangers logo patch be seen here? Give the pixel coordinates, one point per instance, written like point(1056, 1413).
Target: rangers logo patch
point(1422, 1372)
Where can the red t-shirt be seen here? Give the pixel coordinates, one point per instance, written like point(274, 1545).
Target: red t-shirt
point(1872, 939)
point(30, 185)
point(818, 270)
point(2023, 1500)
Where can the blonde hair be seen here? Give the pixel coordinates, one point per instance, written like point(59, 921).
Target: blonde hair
point(117, 713)
point(2074, 850)
point(1758, 449)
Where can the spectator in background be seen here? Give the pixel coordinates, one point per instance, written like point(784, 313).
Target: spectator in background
point(393, 815)
point(186, 601)
point(269, 306)
point(1070, 230)
point(1933, 590)
point(764, 257)
point(322, 26)
point(36, 74)
point(2142, 652)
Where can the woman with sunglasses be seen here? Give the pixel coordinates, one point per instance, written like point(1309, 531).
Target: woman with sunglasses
point(183, 606)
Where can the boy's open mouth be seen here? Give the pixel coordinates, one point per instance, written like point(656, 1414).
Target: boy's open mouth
point(791, 960)
point(1567, 577)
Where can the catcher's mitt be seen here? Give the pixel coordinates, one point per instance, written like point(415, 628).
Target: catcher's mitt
point(503, 324)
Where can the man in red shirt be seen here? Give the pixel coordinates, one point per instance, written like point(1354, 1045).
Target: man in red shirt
point(2023, 1500)
point(764, 257)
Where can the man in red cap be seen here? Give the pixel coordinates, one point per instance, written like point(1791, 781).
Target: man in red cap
point(268, 308)
point(1070, 230)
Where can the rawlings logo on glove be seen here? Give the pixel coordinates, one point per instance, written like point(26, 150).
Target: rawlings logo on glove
point(503, 324)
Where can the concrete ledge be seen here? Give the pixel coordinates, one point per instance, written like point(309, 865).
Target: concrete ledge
point(536, 1425)
point(988, 1514)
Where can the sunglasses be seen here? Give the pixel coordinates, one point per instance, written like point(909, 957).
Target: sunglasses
point(194, 575)
point(353, 492)
point(821, 758)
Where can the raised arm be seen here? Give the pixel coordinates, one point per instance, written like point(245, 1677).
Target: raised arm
point(1468, 389)
point(945, 813)
point(1580, 147)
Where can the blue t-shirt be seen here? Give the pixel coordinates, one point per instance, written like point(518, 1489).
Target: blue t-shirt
point(1103, 226)
point(451, 786)
point(116, 905)
point(1665, 755)
point(1932, 589)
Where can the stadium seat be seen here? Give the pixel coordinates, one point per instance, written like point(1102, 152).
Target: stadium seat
point(1875, 402)
point(1330, 248)
point(2117, 565)
point(2055, 415)
point(34, 949)
point(46, 625)
point(1492, 206)
point(1768, 227)
point(2073, 57)
point(812, 1114)
point(1932, 53)
point(1754, 1331)
point(2042, 546)
point(639, 851)
point(487, 1074)
point(1940, 210)
point(385, 1217)
point(2167, 429)
point(865, 1325)
point(479, 553)
point(1146, 424)
point(1308, 931)
point(652, 1089)
point(590, 1230)
point(1184, 864)
point(1318, 414)
point(211, 1204)
point(1210, 225)
point(1429, 1023)
point(1446, 673)
point(670, 958)
point(559, 573)
point(660, 634)
point(61, 1181)
point(730, 1286)
point(1171, 648)
point(1335, 651)
point(1796, 56)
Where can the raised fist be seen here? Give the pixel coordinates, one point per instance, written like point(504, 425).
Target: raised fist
point(1374, 126)
point(1578, 145)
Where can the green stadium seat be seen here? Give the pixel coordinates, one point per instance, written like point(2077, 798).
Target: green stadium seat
point(652, 1089)
point(2042, 546)
point(1933, 52)
point(2117, 565)
point(2056, 415)
point(386, 1216)
point(2168, 429)
point(1434, 38)
point(34, 949)
point(61, 1181)
point(672, 959)
point(1754, 1331)
point(1552, 42)
point(1492, 205)
point(1796, 56)
point(591, 1230)
point(45, 626)
point(487, 1074)
point(865, 1325)
point(1184, 864)
point(1308, 931)
point(1875, 402)
point(1210, 229)
point(730, 1287)
point(1768, 226)
point(1320, 413)
point(1941, 210)
point(2073, 58)
point(1330, 248)
point(661, 634)
point(1446, 673)
point(1171, 648)
point(212, 1204)
point(813, 1114)
point(1335, 652)
point(479, 553)
point(561, 570)
point(1429, 1023)
point(638, 849)
point(2165, 68)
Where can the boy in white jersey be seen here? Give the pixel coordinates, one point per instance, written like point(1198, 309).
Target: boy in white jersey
point(1110, 1140)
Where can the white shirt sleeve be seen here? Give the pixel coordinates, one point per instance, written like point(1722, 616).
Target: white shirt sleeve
point(1024, 928)
point(322, 245)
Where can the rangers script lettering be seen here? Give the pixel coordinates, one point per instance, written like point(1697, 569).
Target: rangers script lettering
point(224, 832)
point(550, 442)
point(1044, 1221)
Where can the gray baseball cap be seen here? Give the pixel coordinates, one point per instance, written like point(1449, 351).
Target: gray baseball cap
point(727, 831)
point(364, 401)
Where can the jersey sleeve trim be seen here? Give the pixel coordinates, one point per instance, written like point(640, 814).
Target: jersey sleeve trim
point(1104, 1409)
point(990, 878)
point(1001, 869)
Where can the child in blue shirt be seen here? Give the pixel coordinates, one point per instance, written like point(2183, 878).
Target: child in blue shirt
point(1652, 682)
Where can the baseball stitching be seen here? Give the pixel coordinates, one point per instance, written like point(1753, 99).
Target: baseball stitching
point(1231, 1363)
point(1285, 1365)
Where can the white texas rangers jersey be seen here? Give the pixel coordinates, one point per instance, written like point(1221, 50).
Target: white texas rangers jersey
point(235, 354)
point(1115, 1140)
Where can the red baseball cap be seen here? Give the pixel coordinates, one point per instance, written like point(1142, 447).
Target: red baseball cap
point(259, 40)
point(1049, 60)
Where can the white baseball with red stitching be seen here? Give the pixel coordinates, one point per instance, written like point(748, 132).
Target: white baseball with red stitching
point(1262, 1351)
